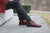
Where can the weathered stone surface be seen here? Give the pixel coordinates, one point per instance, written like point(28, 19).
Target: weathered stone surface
point(13, 27)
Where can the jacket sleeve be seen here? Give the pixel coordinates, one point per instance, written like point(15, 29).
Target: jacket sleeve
point(3, 5)
point(3, 1)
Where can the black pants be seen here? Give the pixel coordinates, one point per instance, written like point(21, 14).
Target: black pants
point(19, 9)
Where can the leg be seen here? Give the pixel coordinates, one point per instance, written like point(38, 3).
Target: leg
point(23, 15)
point(21, 12)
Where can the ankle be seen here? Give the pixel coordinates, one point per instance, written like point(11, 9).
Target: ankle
point(23, 21)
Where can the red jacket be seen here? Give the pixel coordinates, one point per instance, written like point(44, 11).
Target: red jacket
point(3, 5)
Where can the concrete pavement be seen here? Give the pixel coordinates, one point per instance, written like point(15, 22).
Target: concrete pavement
point(13, 27)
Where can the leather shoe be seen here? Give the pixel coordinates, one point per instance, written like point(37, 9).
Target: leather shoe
point(33, 24)
point(29, 24)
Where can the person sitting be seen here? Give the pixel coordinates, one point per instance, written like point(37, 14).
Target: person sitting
point(24, 19)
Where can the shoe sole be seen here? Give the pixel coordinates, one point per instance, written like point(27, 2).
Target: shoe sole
point(32, 26)
point(28, 25)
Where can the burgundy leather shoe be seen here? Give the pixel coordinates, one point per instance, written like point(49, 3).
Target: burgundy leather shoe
point(29, 24)
point(33, 24)
point(23, 22)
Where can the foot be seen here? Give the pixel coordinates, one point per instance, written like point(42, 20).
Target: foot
point(33, 24)
point(29, 24)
